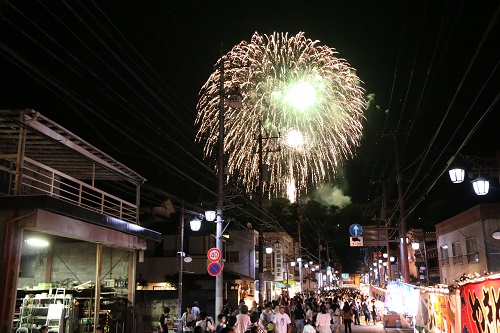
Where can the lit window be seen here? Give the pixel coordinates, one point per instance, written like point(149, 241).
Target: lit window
point(444, 255)
point(472, 251)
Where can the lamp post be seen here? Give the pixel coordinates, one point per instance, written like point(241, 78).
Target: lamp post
point(480, 166)
point(195, 225)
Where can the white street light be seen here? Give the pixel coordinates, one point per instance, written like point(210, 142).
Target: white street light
point(292, 263)
point(195, 224)
point(269, 249)
point(392, 259)
point(481, 186)
point(385, 255)
point(210, 215)
point(456, 175)
point(415, 245)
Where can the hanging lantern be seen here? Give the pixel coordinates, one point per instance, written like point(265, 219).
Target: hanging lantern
point(481, 186)
point(456, 175)
point(195, 224)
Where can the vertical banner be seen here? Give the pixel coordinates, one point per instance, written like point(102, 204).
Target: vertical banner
point(481, 306)
point(278, 262)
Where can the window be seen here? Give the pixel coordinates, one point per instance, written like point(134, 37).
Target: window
point(233, 256)
point(472, 252)
point(457, 253)
point(444, 255)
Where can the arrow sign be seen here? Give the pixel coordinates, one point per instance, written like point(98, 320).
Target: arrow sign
point(214, 268)
point(355, 230)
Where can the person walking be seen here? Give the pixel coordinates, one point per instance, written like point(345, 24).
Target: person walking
point(374, 312)
point(164, 318)
point(366, 312)
point(242, 320)
point(347, 317)
point(355, 311)
point(299, 316)
point(206, 322)
point(323, 321)
point(266, 319)
point(188, 321)
point(282, 322)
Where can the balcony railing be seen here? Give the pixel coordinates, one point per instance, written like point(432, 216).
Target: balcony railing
point(37, 178)
point(458, 260)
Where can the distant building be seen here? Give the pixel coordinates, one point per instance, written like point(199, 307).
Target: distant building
point(469, 242)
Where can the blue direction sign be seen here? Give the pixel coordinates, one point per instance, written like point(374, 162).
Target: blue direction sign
point(214, 268)
point(355, 230)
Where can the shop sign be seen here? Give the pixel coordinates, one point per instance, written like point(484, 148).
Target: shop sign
point(278, 262)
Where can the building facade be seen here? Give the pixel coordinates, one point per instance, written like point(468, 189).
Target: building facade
point(66, 237)
point(469, 243)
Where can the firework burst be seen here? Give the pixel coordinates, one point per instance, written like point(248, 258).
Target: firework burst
point(293, 86)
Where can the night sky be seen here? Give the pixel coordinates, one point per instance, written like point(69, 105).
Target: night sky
point(125, 75)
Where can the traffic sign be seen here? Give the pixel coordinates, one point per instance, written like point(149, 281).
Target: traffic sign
point(356, 241)
point(214, 268)
point(355, 230)
point(214, 254)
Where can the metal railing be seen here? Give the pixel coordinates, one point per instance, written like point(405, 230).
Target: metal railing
point(38, 178)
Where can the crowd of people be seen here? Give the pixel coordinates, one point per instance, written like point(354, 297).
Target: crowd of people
point(323, 312)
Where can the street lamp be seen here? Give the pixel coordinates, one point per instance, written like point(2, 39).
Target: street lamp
point(487, 166)
point(195, 225)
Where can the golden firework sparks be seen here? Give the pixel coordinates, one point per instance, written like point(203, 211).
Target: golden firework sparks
point(292, 85)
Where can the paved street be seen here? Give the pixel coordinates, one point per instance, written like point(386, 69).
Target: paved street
point(379, 328)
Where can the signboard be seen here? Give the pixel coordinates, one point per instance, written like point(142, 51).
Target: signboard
point(356, 241)
point(355, 230)
point(214, 254)
point(214, 268)
point(278, 262)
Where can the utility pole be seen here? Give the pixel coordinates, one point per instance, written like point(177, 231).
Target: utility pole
point(319, 259)
point(383, 217)
point(260, 148)
point(402, 223)
point(181, 271)
point(262, 288)
point(219, 280)
point(299, 222)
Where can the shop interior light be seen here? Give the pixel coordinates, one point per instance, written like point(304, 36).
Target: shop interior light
point(385, 255)
point(37, 242)
point(292, 263)
point(415, 245)
point(392, 259)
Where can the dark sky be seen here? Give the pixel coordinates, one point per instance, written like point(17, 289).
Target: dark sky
point(125, 75)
